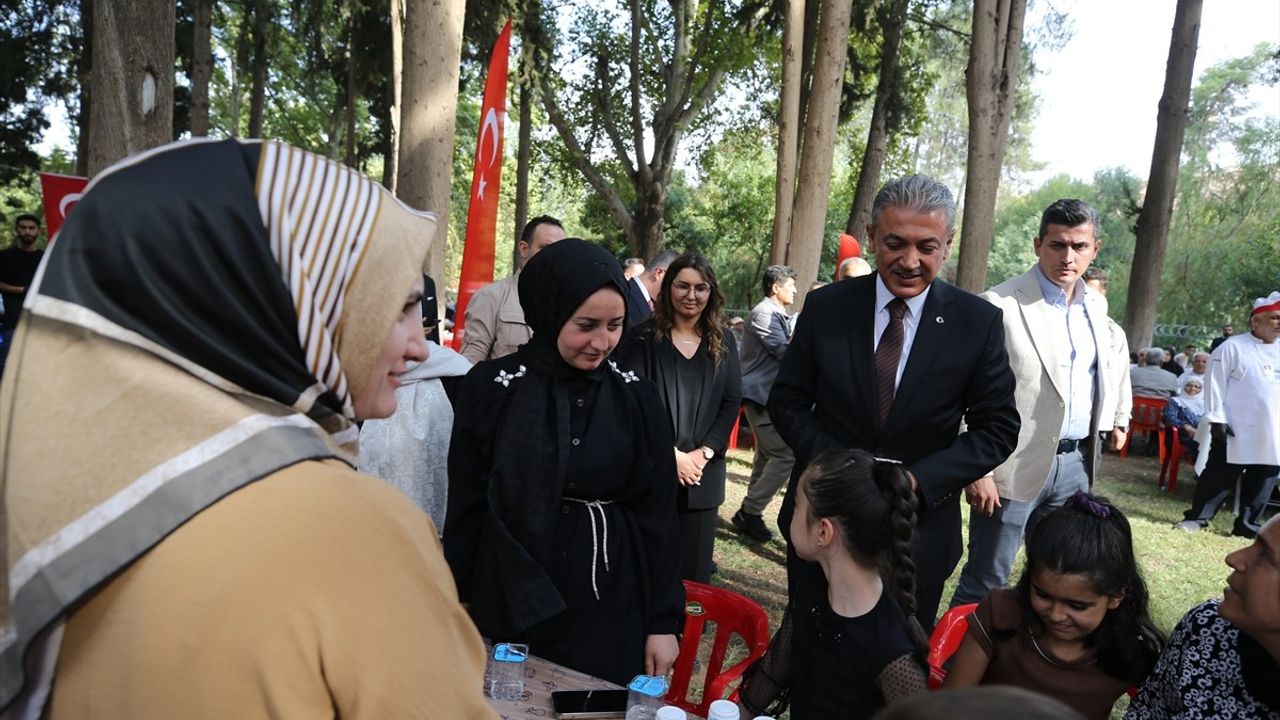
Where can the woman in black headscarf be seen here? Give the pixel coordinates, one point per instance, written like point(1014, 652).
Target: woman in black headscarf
point(561, 528)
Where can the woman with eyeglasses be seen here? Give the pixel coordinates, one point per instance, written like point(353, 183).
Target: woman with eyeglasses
point(684, 349)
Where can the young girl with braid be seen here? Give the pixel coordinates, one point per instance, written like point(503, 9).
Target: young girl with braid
point(855, 646)
point(1076, 627)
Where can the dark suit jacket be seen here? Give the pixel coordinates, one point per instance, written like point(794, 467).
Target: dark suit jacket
point(638, 309)
point(718, 404)
point(824, 398)
point(430, 309)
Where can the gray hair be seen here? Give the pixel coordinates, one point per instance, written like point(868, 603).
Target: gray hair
point(1201, 354)
point(1155, 356)
point(661, 261)
point(916, 192)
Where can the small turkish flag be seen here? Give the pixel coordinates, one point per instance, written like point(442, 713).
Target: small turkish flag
point(60, 194)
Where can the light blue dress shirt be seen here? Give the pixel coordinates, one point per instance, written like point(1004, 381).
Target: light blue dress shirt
point(1080, 365)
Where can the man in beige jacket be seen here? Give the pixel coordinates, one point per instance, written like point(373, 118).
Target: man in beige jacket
point(1061, 351)
point(495, 323)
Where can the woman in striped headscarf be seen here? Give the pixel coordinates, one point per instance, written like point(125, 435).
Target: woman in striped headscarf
point(184, 535)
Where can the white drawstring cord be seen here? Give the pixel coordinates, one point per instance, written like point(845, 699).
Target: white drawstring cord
point(592, 507)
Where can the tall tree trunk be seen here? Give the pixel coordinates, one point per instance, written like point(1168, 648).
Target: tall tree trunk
point(258, 96)
point(1152, 229)
point(522, 153)
point(432, 55)
point(133, 57)
point(389, 163)
point(201, 69)
point(995, 55)
point(893, 15)
point(239, 66)
point(808, 224)
point(788, 127)
point(84, 65)
point(350, 132)
point(812, 9)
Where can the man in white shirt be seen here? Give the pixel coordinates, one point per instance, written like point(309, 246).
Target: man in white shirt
point(1242, 412)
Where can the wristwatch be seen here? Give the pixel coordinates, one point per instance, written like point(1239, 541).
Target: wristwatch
point(708, 453)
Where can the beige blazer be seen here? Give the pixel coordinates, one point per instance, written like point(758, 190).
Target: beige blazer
point(495, 323)
point(1034, 340)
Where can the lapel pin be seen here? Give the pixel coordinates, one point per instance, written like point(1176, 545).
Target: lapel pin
point(939, 320)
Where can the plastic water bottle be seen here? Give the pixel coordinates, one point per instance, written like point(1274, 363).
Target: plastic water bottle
point(504, 678)
point(723, 710)
point(644, 696)
point(670, 712)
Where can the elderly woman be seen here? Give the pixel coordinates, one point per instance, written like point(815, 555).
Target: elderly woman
point(562, 528)
point(1223, 658)
point(185, 535)
point(685, 350)
point(1184, 410)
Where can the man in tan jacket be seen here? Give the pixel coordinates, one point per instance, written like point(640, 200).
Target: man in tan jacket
point(495, 323)
point(1061, 351)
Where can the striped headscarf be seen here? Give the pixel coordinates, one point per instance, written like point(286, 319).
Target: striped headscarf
point(207, 315)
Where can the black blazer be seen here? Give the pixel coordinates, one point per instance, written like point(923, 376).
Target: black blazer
point(825, 398)
point(638, 309)
point(718, 404)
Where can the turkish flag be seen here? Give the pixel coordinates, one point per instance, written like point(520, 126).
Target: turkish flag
point(482, 215)
point(849, 247)
point(60, 194)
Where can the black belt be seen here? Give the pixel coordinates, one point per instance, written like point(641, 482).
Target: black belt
point(1069, 446)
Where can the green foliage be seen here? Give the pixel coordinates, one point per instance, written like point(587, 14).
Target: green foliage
point(39, 41)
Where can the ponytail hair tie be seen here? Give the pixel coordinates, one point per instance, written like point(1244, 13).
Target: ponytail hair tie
point(1085, 503)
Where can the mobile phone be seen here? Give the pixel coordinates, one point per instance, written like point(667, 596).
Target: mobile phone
point(589, 704)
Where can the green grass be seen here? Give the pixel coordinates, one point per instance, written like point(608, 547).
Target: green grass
point(1181, 569)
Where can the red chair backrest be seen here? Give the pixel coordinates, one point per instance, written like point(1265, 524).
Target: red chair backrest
point(1146, 413)
point(946, 639)
point(733, 614)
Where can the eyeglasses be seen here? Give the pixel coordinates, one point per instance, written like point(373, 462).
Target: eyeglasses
point(684, 288)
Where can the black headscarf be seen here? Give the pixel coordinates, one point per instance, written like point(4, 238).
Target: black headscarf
point(526, 481)
point(553, 285)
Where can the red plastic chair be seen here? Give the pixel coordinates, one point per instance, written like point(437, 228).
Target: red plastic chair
point(945, 641)
point(1172, 461)
point(733, 614)
point(1146, 418)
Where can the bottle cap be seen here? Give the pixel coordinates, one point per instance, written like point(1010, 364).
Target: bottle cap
point(510, 652)
point(723, 710)
point(651, 685)
point(670, 712)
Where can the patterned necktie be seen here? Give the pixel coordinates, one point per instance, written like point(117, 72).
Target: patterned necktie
point(888, 353)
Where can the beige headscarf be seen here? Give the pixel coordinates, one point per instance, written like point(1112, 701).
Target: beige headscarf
point(204, 320)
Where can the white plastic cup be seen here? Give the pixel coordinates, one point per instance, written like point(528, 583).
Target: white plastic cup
point(670, 712)
point(723, 710)
point(504, 679)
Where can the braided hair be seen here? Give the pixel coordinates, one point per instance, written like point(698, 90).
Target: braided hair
point(872, 503)
point(1091, 537)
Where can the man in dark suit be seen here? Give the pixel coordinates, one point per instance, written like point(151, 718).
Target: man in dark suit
point(891, 363)
point(643, 289)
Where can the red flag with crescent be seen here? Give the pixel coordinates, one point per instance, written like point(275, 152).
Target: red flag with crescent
point(60, 194)
point(482, 214)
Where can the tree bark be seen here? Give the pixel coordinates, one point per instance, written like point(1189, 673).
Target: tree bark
point(350, 130)
point(133, 58)
point(258, 94)
point(84, 75)
point(201, 68)
point(432, 55)
point(522, 155)
point(893, 16)
point(995, 55)
point(812, 9)
point(788, 127)
point(813, 184)
point(1152, 228)
point(389, 163)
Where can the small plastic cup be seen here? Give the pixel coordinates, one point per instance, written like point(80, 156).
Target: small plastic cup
point(644, 696)
point(504, 678)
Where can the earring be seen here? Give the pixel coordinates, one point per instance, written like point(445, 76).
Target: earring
point(819, 543)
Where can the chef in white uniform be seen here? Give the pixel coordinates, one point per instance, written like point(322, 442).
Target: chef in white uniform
point(1242, 420)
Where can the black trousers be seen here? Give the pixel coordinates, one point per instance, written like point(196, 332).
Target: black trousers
point(1219, 478)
